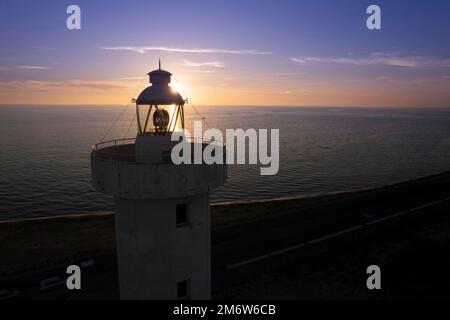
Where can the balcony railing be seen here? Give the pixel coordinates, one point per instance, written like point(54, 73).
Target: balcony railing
point(124, 149)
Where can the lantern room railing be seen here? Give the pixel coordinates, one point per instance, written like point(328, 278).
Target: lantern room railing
point(119, 149)
point(124, 149)
point(110, 143)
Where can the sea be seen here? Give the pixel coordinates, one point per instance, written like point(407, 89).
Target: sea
point(45, 169)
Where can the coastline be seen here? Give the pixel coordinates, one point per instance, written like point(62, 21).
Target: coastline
point(50, 242)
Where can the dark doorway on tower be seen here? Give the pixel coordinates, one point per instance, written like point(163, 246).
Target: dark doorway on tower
point(182, 214)
point(183, 289)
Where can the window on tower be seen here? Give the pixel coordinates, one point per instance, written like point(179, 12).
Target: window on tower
point(182, 214)
point(183, 289)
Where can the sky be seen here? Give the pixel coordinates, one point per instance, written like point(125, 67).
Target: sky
point(234, 52)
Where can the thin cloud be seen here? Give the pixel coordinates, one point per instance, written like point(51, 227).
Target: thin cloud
point(203, 71)
point(381, 59)
point(297, 60)
point(33, 67)
point(38, 85)
point(131, 78)
point(44, 48)
point(95, 85)
point(215, 64)
point(143, 50)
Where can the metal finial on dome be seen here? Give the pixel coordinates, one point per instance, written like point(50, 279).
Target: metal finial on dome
point(159, 92)
point(159, 63)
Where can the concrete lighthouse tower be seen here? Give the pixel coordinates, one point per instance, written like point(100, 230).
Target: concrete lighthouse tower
point(162, 215)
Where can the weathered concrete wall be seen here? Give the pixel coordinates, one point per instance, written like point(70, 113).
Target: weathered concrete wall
point(133, 180)
point(150, 149)
point(154, 254)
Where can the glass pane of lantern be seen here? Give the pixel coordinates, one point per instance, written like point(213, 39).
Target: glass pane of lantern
point(161, 119)
point(143, 117)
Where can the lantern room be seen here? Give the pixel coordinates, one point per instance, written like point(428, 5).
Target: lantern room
point(159, 107)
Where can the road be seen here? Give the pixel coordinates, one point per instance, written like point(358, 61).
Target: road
point(241, 252)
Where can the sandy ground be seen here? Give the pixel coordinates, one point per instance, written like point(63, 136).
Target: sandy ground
point(414, 264)
point(413, 254)
point(36, 244)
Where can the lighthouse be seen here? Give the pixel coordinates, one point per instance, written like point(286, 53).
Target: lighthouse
point(162, 215)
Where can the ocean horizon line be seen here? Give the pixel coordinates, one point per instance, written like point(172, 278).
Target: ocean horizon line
point(224, 105)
